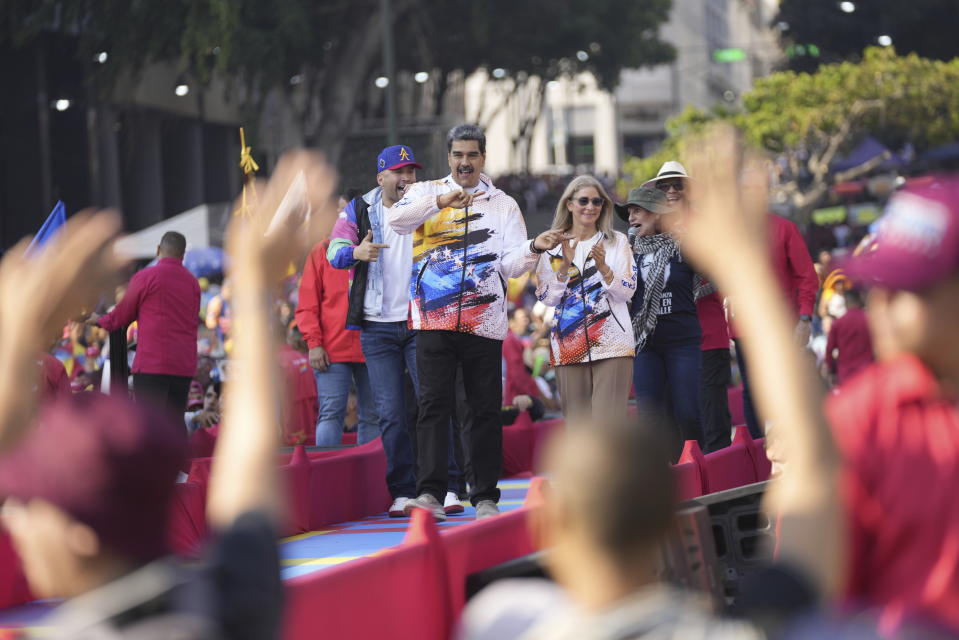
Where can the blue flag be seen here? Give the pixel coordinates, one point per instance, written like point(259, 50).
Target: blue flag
point(56, 219)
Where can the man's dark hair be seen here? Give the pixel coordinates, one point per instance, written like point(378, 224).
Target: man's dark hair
point(466, 132)
point(216, 387)
point(351, 193)
point(173, 244)
point(853, 298)
point(631, 503)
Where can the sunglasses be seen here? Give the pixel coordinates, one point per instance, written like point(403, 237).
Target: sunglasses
point(597, 202)
point(664, 186)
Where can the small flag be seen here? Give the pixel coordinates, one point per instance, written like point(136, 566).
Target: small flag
point(56, 219)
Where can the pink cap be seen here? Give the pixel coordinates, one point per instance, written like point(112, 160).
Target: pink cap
point(108, 463)
point(917, 242)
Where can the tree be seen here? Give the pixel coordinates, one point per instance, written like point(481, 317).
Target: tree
point(806, 121)
point(320, 57)
point(924, 27)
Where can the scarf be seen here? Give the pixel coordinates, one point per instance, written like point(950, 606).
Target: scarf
point(663, 247)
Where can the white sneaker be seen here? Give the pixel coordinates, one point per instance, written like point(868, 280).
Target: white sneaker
point(397, 508)
point(428, 502)
point(452, 505)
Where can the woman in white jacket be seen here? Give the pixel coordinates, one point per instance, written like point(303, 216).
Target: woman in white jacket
point(590, 279)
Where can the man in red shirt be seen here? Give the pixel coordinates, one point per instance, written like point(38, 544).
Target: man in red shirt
point(897, 422)
point(301, 409)
point(335, 353)
point(799, 282)
point(164, 300)
point(849, 337)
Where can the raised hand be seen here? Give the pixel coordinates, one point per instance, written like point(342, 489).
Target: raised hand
point(549, 239)
point(569, 250)
point(459, 199)
point(598, 254)
point(367, 250)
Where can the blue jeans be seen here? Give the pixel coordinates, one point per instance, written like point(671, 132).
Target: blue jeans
point(333, 389)
point(678, 367)
point(390, 350)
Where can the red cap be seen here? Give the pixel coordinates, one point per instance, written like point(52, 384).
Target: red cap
point(917, 242)
point(108, 463)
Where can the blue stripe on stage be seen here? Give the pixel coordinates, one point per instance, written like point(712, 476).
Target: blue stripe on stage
point(317, 550)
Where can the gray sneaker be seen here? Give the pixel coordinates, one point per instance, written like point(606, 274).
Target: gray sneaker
point(486, 509)
point(428, 502)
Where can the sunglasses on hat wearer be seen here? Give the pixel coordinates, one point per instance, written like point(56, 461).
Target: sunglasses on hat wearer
point(597, 202)
point(663, 185)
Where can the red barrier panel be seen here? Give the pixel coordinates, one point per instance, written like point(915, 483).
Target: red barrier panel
point(689, 480)
point(483, 544)
point(517, 449)
point(692, 454)
point(401, 593)
point(13, 585)
point(729, 467)
point(187, 530)
point(736, 412)
point(296, 478)
point(348, 486)
point(762, 464)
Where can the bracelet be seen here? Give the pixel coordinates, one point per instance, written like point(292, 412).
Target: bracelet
point(532, 247)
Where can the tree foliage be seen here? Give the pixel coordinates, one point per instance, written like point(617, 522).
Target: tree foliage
point(924, 27)
point(332, 48)
point(807, 120)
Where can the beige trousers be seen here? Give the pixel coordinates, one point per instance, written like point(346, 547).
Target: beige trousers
point(597, 389)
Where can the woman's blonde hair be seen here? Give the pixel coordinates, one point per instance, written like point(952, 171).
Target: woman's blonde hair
point(563, 219)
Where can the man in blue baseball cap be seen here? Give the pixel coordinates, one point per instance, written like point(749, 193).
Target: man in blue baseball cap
point(379, 306)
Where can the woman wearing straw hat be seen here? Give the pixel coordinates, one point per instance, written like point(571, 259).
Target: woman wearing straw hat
point(590, 279)
point(664, 313)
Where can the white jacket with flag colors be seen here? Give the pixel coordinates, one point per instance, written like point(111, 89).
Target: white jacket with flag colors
point(462, 258)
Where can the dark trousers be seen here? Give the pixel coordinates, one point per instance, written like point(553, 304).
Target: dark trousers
point(714, 401)
point(752, 420)
point(162, 390)
point(673, 371)
point(438, 355)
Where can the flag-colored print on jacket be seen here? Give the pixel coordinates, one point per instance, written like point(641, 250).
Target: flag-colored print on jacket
point(592, 317)
point(462, 258)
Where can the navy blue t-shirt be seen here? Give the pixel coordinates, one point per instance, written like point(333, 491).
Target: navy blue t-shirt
point(677, 323)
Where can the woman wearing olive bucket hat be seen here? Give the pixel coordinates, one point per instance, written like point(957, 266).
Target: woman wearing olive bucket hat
point(665, 324)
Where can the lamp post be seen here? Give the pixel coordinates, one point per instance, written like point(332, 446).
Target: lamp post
point(390, 71)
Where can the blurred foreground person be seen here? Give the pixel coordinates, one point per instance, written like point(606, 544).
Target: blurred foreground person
point(89, 487)
point(897, 421)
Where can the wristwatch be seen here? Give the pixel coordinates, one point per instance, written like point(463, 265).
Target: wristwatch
point(805, 317)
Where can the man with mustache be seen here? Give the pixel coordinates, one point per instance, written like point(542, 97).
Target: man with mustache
point(468, 239)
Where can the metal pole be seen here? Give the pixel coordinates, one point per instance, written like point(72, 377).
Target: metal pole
point(389, 68)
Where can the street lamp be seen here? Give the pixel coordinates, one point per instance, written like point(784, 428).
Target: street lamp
point(421, 76)
point(382, 82)
point(847, 7)
point(884, 40)
point(62, 104)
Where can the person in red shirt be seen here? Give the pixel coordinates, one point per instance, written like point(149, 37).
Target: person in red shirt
point(798, 281)
point(849, 337)
point(164, 301)
point(301, 409)
point(335, 353)
point(519, 381)
point(54, 380)
point(715, 376)
point(897, 422)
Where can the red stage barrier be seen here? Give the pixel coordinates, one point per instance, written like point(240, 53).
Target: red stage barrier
point(735, 397)
point(187, 530)
point(730, 466)
point(400, 593)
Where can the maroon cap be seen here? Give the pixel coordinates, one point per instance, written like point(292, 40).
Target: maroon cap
point(108, 463)
point(917, 241)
